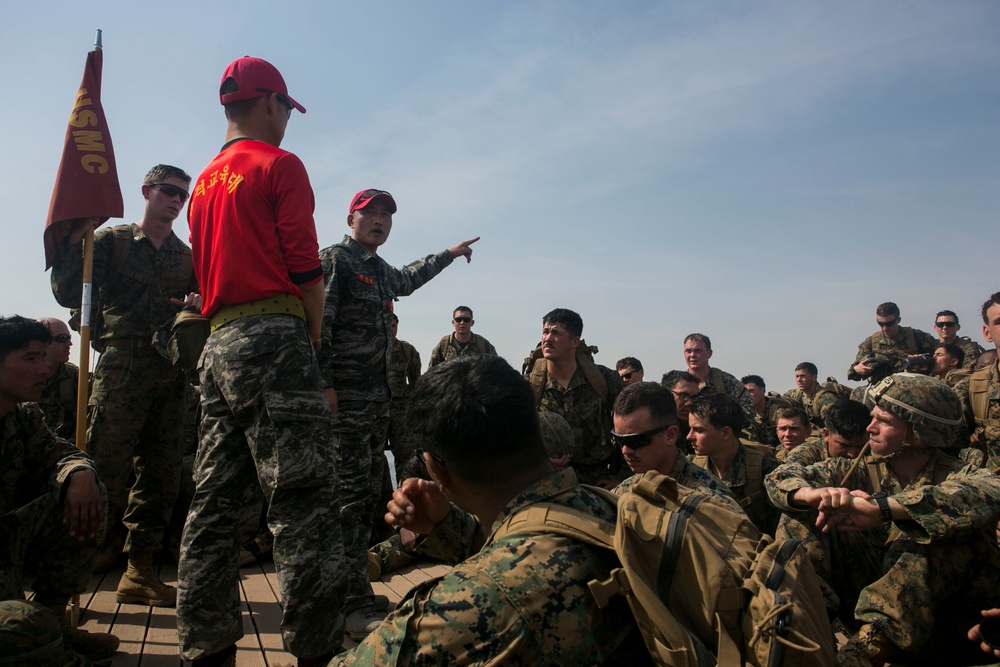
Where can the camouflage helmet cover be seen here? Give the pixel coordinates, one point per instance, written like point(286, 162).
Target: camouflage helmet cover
point(556, 434)
point(931, 407)
point(30, 635)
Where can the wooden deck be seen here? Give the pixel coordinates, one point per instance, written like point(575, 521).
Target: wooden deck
point(149, 634)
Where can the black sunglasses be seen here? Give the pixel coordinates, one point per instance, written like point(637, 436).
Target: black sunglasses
point(945, 325)
point(636, 440)
point(438, 459)
point(172, 190)
point(61, 338)
point(882, 325)
point(463, 320)
point(628, 376)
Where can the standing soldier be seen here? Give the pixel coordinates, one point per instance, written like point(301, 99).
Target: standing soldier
point(462, 342)
point(142, 276)
point(980, 392)
point(404, 369)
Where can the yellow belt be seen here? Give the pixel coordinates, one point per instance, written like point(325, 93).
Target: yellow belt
point(279, 304)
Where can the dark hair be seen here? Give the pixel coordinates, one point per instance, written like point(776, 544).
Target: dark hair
point(161, 172)
point(953, 351)
point(994, 300)
point(720, 410)
point(395, 317)
point(567, 318)
point(478, 414)
point(847, 418)
point(793, 412)
point(947, 313)
point(699, 338)
point(628, 362)
point(753, 379)
point(463, 309)
point(658, 400)
point(16, 332)
point(671, 379)
point(887, 309)
point(808, 367)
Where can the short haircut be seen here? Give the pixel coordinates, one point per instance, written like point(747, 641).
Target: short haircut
point(987, 358)
point(628, 362)
point(946, 313)
point(753, 379)
point(395, 318)
point(239, 109)
point(720, 410)
point(994, 300)
point(953, 351)
point(162, 172)
point(673, 378)
point(887, 309)
point(478, 414)
point(699, 338)
point(462, 309)
point(657, 399)
point(848, 419)
point(566, 318)
point(793, 412)
point(16, 332)
point(808, 367)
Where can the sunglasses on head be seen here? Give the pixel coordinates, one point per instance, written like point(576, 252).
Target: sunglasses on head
point(636, 440)
point(945, 325)
point(172, 190)
point(463, 320)
point(61, 338)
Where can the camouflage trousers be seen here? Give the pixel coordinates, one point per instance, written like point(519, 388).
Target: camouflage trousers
point(361, 465)
point(265, 422)
point(35, 533)
point(136, 425)
point(403, 444)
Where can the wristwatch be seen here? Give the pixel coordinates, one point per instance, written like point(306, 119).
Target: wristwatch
point(883, 505)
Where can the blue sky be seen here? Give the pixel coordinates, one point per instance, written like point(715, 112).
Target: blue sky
point(764, 173)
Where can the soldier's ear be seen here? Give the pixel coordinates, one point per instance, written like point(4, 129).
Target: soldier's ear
point(986, 334)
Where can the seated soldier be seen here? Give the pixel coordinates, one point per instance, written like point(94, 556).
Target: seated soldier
point(806, 385)
point(520, 598)
point(949, 364)
point(61, 530)
point(909, 535)
point(684, 388)
point(715, 421)
point(844, 435)
point(630, 369)
point(792, 429)
point(766, 407)
point(645, 421)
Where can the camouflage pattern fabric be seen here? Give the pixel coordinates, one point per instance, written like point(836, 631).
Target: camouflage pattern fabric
point(808, 453)
point(893, 350)
point(987, 436)
point(580, 405)
point(452, 349)
point(762, 428)
point(804, 398)
point(403, 375)
point(937, 422)
point(694, 477)
point(265, 422)
point(404, 369)
point(135, 424)
point(557, 435)
point(733, 387)
point(487, 611)
point(956, 375)
point(763, 514)
point(971, 349)
point(360, 291)
point(58, 401)
point(30, 636)
point(858, 565)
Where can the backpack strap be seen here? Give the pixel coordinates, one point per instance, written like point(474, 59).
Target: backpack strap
point(876, 470)
point(718, 381)
point(442, 347)
point(594, 377)
point(979, 390)
point(480, 343)
point(407, 355)
point(911, 341)
point(539, 374)
point(754, 489)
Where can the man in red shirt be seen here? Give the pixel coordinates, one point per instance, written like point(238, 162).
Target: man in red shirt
point(264, 416)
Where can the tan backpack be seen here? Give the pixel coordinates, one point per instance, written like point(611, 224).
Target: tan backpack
point(537, 371)
point(704, 586)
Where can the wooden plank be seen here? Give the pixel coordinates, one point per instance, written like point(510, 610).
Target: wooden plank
point(160, 647)
point(102, 613)
point(260, 590)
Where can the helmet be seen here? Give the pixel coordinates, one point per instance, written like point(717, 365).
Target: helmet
point(30, 635)
point(932, 408)
point(556, 434)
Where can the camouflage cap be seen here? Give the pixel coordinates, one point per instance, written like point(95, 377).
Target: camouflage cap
point(30, 635)
point(556, 434)
point(932, 408)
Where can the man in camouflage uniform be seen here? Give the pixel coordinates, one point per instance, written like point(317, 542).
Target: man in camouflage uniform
point(355, 360)
point(949, 364)
point(980, 393)
point(30, 636)
point(716, 421)
point(806, 386)
point(462, 342)
point(502, 604)
point(844, 435)
point(946, 325)
point(630, 369)
point(645, 421)
point(58, 400)
point(583, 392)
point(265, 421)
point(58, 530)
point(143, 276)
point(886, 351)
point(911, 530)
point(684, 388)
point(766, 407)
point(792, 428)
point(697, 352)
point(404, 369)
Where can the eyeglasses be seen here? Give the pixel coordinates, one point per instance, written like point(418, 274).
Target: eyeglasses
point(463, 320)
point(945, 325)
point(61, 338)
point(636, 440)
point(683, 395)
point(172, 190)
point(281, 98)
point(885, 325)
point(437, 459)
point(628, 376)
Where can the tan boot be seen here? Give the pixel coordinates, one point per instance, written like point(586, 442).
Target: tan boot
point(140, 585)
point(92, 645)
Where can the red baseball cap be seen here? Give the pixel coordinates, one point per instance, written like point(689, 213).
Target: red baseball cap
point(254, 78)
point(365, 197)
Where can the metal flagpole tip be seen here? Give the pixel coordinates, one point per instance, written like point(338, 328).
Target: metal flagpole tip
point(97, 44)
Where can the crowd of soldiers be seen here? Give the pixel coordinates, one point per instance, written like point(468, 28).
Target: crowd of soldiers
point(303, 383)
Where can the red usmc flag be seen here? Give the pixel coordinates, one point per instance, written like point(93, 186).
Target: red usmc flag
point(87, 181)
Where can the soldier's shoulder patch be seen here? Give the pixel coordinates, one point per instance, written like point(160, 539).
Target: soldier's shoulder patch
point(367, 280)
